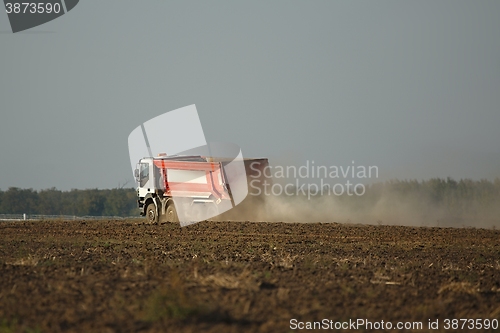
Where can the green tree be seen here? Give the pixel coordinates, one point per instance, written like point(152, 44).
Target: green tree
point(19, 201)
point(50, 202)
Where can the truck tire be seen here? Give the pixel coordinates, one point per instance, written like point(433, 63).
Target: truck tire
point(151, 214)
point(171, 213)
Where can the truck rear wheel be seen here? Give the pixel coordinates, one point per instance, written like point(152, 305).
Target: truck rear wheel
point(171, 213)
point(151, 214)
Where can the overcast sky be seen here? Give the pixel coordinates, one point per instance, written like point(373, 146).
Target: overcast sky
point(411, 87)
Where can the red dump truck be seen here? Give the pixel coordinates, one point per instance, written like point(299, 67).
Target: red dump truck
point(188, 189)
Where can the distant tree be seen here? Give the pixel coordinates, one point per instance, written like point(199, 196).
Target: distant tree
point(119, 202)
point(93, 202)
point(50, 202)
point(19, 201)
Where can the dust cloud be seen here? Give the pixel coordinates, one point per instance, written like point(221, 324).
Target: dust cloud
point(385, 207)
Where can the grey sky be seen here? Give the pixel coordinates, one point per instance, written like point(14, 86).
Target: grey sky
point(412, 87)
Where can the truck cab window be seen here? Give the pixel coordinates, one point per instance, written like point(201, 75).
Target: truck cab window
point(144, 174)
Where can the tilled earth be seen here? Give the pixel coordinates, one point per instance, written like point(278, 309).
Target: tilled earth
point(126, 276)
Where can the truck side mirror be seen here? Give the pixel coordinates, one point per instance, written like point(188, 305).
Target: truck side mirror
point(136, 174)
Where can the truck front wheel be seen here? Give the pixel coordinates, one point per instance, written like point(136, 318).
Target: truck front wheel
point(151, 214)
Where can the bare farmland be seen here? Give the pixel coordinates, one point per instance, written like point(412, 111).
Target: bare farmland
point(125, 276)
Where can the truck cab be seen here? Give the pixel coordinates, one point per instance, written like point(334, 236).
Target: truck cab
point(181, 188)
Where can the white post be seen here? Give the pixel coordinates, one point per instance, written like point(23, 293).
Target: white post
point(24, 216)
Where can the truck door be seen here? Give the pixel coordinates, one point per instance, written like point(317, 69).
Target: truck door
point(146, 178)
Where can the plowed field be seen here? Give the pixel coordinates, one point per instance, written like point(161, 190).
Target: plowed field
point(126, 276)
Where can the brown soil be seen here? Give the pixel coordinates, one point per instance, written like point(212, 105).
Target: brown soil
point(126, 276)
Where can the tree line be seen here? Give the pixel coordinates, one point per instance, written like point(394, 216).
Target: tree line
point(457, 198)
point(90, 202)
point(461, 197)
point(448, 198)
